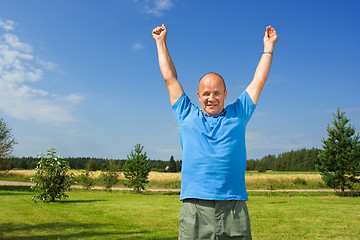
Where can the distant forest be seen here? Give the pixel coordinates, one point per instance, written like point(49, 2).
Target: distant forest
point(95, 164)
point(299, 160)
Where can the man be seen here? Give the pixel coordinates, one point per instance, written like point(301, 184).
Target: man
point(213, 192)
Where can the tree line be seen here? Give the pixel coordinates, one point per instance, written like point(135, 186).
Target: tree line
point(298, 160)
point(95, 164)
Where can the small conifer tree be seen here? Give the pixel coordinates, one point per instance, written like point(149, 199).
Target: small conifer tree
point(86, 180)
point(339, 161)
point(172, 165)
point(136, 169)
point(111, 177)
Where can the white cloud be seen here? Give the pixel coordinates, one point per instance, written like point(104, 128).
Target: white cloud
point(17, 72)
point(47, 64)
point(154, 7)
point(137, 46)
point(14, 43)
point(8, 25)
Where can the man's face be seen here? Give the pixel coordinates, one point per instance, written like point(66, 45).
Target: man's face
point(212, 94)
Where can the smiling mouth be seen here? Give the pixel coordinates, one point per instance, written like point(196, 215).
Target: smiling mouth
point(211, 106)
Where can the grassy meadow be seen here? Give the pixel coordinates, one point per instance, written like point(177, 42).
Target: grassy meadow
point(97, 214)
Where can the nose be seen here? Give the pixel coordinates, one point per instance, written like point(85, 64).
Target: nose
point(211, 97)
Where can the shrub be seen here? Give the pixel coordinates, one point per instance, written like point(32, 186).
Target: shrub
point(7, 141)
point(300, 181)
point(86, 180)
point(111, 177)
point(51, 178)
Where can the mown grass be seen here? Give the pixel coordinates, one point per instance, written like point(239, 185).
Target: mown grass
point(89, 215)
point(124, 215)
point(289, 216)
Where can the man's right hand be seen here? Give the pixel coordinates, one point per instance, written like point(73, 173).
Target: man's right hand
point(159, 33)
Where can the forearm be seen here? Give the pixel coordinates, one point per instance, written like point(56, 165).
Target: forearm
point(263, 68)
point(169, 72)
point(166, 64)
point(261, 74)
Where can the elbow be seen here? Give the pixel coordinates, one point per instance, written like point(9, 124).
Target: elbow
point(169, 78)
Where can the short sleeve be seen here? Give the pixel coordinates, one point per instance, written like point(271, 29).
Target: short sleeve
point(182, 108)
point(243, 107)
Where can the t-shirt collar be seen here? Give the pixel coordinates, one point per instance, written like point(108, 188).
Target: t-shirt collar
point(214, 116)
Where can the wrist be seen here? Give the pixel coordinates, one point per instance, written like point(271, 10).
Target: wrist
point(161, 42)
point(268, 52)
point(269, 48)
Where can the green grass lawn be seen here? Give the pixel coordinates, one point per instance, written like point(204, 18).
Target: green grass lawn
point(125, 215)
point(305, 216)
point(89, 215)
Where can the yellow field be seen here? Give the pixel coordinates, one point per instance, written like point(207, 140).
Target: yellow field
point(257, 177)
point(153, 176)
point(163, 176)
point(26, 173)
point(254, 180)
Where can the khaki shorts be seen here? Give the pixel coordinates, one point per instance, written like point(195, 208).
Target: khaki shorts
point(208, 219)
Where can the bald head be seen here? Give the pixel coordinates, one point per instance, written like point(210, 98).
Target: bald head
point(214, 76)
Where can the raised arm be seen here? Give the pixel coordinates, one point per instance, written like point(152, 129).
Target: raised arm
point(166, 65)
point(263, 68)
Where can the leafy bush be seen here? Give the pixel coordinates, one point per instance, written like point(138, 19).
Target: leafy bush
point(51, 178)
point(86, 180)
point(111, 177)
point(7, 141)
point(300, 181)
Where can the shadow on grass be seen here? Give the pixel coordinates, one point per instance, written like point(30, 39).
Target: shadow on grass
point(278, 202)
point(69, 230)
point(15, 188)
point(348, 194)
point(170, 193)
point(77, 201)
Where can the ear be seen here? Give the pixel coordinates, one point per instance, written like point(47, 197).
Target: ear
point(225, 94)
point(198, 94)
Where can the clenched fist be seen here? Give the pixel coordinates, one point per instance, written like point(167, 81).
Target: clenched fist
point(270, 38)
point(159, 33)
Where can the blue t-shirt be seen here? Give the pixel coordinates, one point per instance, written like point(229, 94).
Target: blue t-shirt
point(214, 152)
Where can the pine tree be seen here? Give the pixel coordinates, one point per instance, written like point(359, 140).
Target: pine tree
point(110, 177)
point(172, 165)
point(339, 161)
point(136, 169)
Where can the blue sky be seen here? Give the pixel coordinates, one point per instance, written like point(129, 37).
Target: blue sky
point(82, 76)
